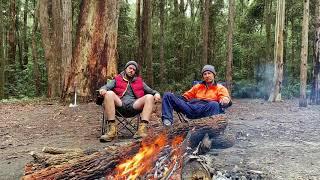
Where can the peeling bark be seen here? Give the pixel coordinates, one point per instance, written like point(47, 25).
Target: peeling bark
point(95, 54)
point(275, 94)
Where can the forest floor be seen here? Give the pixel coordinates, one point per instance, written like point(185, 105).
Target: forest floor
point(279, 139)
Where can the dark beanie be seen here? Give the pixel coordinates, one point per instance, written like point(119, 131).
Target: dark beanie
point(131, 63)
point(208, 68)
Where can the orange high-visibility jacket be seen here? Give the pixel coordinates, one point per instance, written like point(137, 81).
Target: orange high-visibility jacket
point(213, 92)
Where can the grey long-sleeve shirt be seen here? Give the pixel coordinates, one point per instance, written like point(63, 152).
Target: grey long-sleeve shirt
point(129, 96)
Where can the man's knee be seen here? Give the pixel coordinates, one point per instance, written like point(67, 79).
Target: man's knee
point(109, 94)
point(149, 98)
point(167, 95)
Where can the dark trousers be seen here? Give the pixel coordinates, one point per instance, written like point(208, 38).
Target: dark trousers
point(193, 109)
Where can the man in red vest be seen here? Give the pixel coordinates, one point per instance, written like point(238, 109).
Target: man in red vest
point(129, 95)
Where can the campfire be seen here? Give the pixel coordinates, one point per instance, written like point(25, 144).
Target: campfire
point(164, 154)
point(154, 160)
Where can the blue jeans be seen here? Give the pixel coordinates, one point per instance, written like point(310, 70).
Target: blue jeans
point(193, 109)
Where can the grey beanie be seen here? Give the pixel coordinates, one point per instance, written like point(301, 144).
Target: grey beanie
point(208, 68)
point(131, 63)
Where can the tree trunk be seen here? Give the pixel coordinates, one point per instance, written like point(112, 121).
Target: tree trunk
point(315, 96)
point(205, 30)
point(52, 49)
point(66, 50)
point(304, 55)
point(181, 35)
point(212, 35)
point(2, 59)
point(138, 32)
point(57, 25)
point(178, 24)
point(147, 35)
point(162, 65)
point(292, 69)
point(230, 45)
point(142, 33)
point(36, 70)
point(285, 46)
point(95, 54)
point(275, 94)
point(19, 36)
point(25, 33)
point(12, 45)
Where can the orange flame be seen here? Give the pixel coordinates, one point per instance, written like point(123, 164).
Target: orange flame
point(142, 161)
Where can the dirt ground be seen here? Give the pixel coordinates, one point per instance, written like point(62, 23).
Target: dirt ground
point(280, 140)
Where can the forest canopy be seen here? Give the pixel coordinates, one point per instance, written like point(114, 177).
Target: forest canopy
point(49, 48)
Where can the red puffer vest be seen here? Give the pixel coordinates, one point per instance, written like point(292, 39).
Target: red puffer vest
point(121, 86)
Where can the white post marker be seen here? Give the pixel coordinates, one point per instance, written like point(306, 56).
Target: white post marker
point(75, 97)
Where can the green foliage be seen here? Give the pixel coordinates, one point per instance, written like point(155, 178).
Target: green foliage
point(252, 72)
point(127, 41)
point(291, 90)
point(24, 100)
point(24, 85)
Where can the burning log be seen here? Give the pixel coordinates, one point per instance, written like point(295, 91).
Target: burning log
point(93, 166)
point(162, 155)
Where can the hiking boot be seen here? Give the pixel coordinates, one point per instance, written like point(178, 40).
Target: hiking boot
point(142, 130)
point(111, 134)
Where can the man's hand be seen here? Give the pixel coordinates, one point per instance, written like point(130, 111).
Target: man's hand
point(157, 97)
point(224, 101)
point(102, 92)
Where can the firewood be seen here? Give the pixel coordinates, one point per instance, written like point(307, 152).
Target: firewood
point(93, 166)
point(195, 170)
point(54, 150)
point(49, 159)
point(100, 164)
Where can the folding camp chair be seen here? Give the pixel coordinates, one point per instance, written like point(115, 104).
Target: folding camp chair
point(182, 118)
point(125, 124)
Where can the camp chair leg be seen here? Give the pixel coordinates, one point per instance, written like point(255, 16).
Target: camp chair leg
point(138, 121)
point(122, 122)
point(126, 124)
point(181, 118)
point(103, 124)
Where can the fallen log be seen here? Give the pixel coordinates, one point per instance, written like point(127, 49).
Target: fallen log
point(93, 166)
point(100, 164)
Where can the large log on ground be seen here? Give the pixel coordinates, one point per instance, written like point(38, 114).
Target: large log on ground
point(92, 166)
point(99, 164)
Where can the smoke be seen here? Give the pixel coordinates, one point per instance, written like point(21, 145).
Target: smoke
point(258, 86)
point(264, 79)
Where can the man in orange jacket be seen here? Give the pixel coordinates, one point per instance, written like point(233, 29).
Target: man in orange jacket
point(202, 100)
